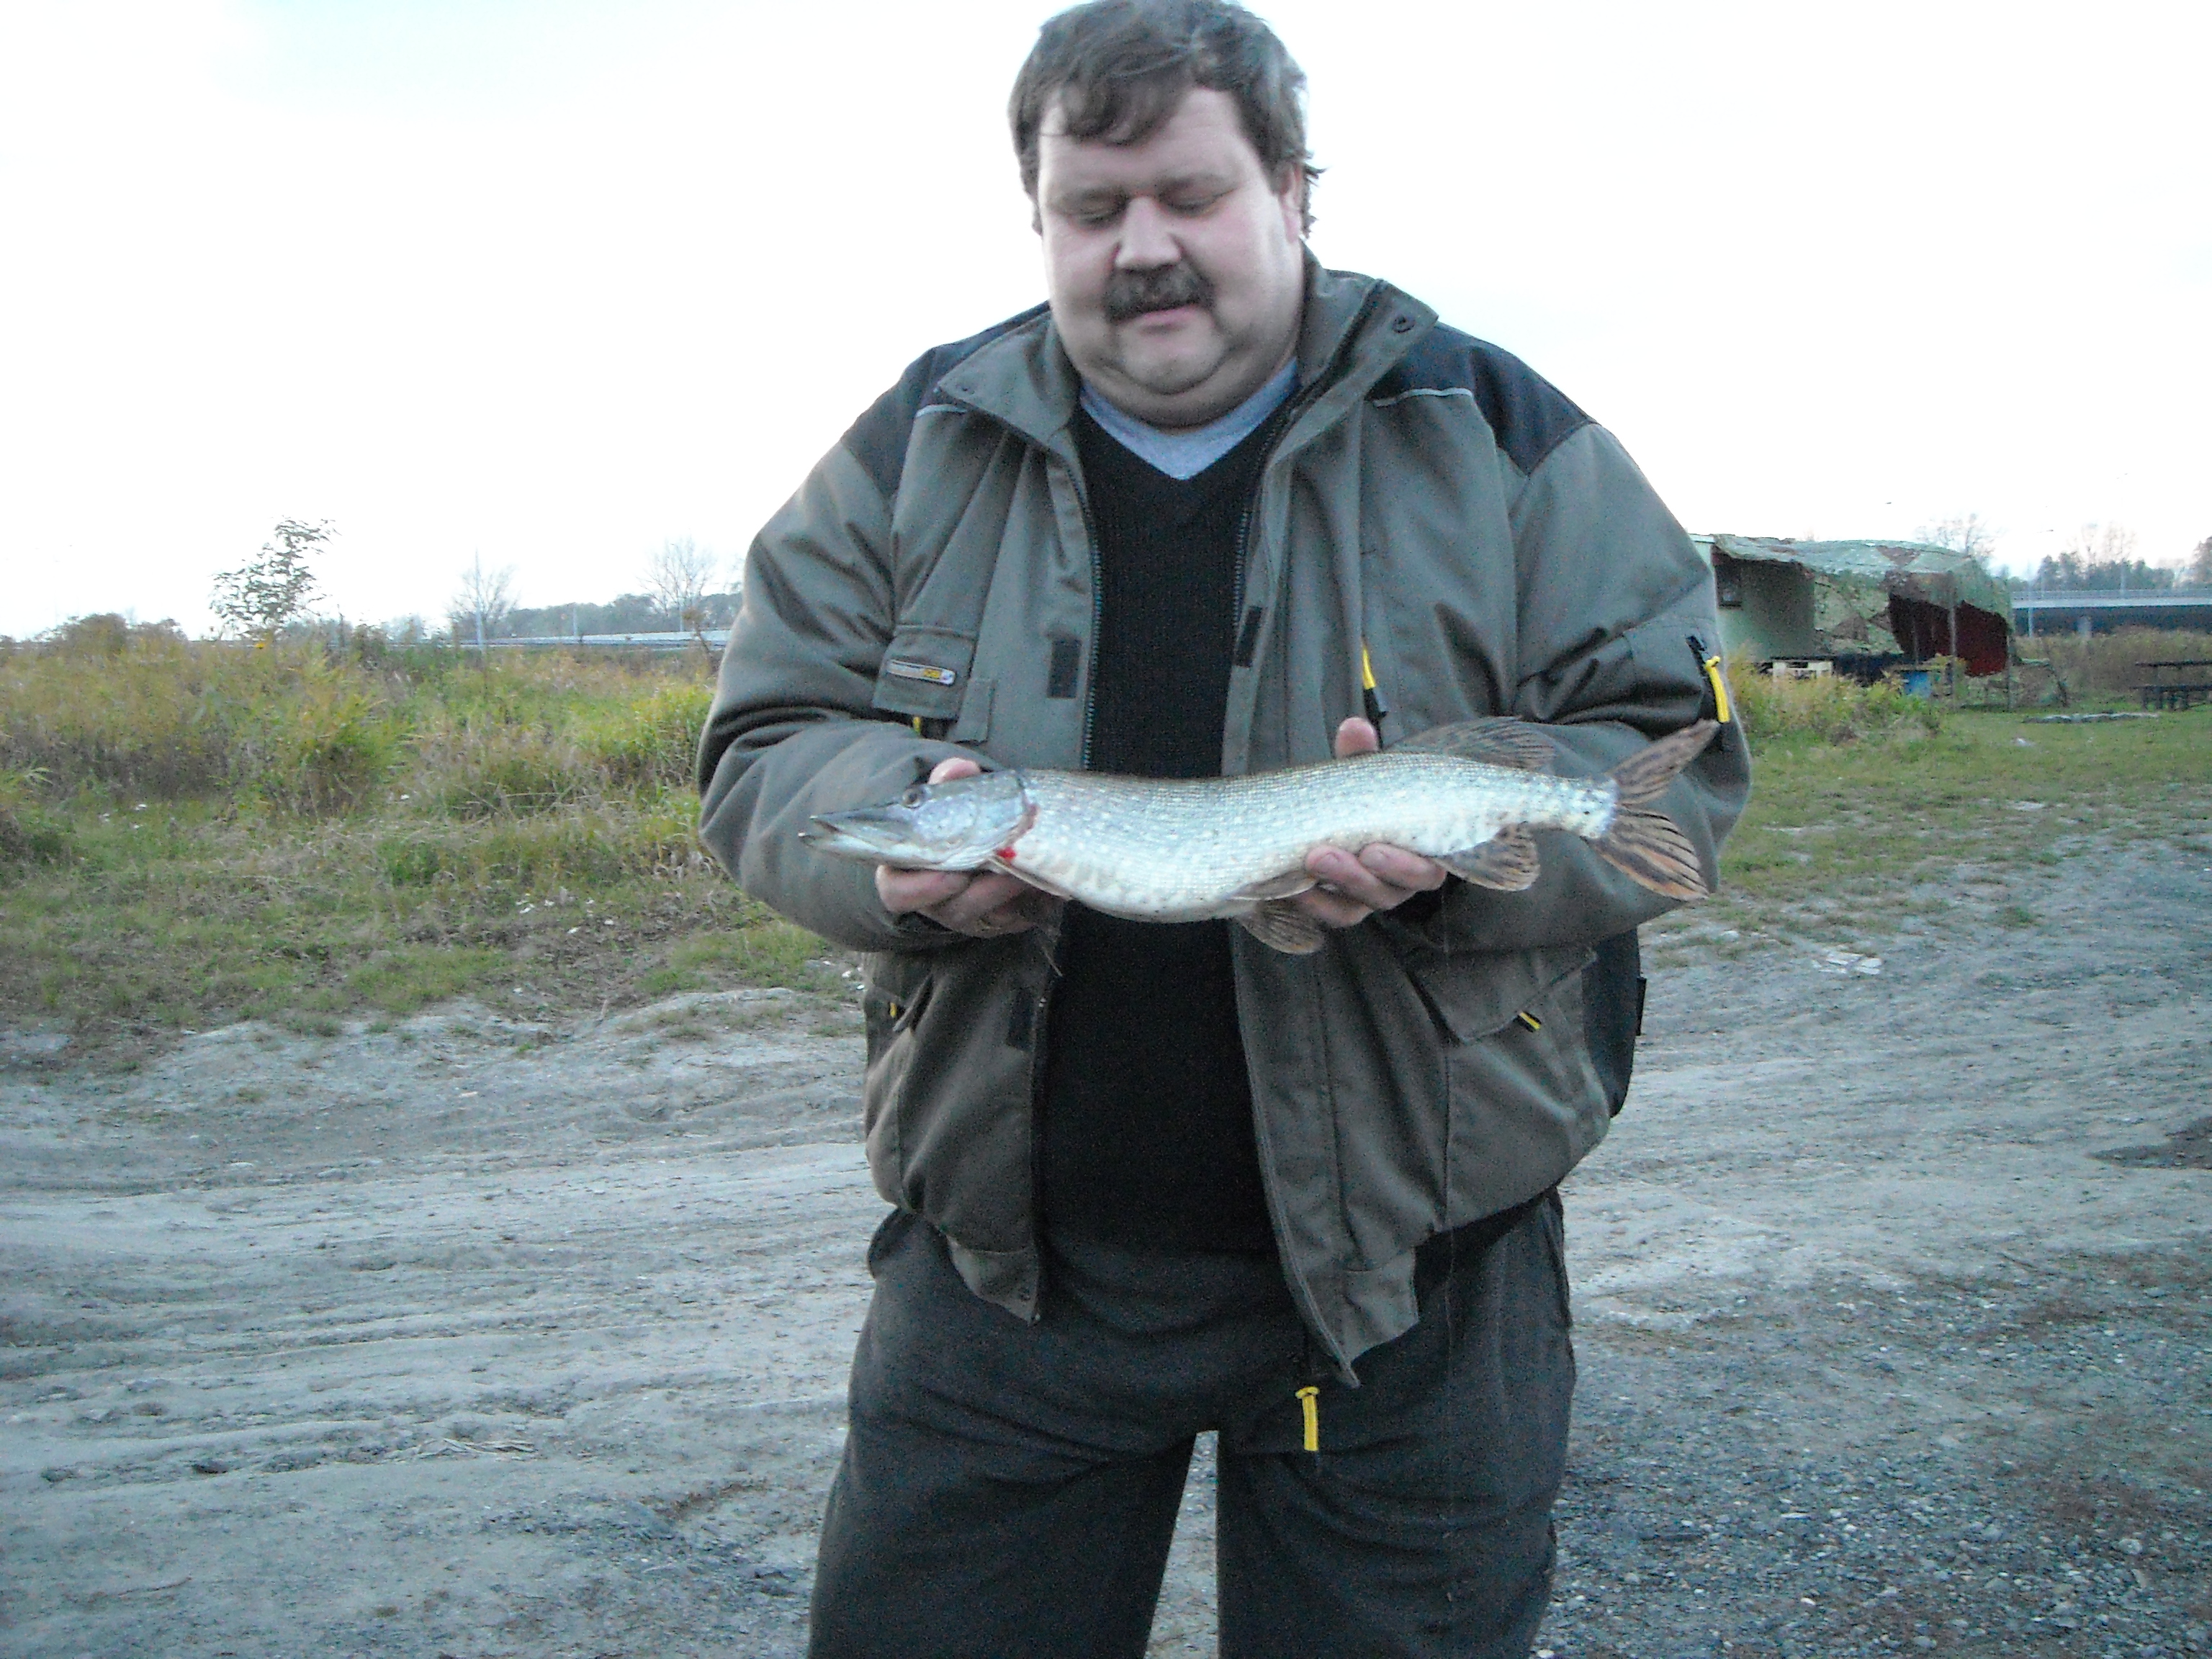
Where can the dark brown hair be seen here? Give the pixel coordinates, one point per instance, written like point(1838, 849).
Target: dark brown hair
point(1121, 67)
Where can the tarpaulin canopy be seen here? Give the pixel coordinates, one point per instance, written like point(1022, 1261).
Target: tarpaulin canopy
point(1906, 599)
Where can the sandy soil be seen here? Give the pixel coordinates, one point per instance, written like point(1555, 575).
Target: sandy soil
point(473, 1338)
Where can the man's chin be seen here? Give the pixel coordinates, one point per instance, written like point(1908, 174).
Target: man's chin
point(1154, 366)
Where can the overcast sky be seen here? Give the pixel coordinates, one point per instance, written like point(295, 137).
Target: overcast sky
point(552, 281)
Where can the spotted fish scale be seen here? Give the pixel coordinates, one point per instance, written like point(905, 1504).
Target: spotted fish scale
point(1155, 849)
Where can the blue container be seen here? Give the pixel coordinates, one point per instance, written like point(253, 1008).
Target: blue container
point(1919, 682)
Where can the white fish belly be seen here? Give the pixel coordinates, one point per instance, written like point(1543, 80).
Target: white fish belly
point(1163, 850)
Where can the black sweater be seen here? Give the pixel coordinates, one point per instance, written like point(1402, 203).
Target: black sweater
point(1147, 1114)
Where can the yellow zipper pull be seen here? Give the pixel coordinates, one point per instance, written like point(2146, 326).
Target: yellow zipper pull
point(1371, 694)
point(1530, 1020)
point(1309, 1398)
point(1720, 688)
point(1716, 673)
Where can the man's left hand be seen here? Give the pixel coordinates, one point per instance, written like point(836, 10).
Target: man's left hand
point(1380, 876)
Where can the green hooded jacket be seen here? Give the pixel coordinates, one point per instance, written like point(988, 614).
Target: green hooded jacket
point(931, 591)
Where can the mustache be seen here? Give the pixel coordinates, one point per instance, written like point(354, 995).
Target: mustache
point(1133, 293)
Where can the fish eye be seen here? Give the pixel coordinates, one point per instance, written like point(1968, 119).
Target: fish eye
point(914, 796)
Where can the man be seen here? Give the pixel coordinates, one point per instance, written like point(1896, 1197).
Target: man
point(1201, 515)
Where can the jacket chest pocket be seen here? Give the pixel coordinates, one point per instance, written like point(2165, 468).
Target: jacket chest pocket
point(927, 679)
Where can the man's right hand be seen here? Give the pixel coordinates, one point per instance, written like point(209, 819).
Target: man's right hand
point(984, 904)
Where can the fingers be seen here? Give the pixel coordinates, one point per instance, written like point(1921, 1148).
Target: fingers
point(1396, 867)
point(988, 907)
point(954, 766)
point(1356, 737)
point(985, 906)
point(1381, 878)
point(905, 891)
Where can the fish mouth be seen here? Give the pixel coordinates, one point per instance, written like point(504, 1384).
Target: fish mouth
point(863, 830)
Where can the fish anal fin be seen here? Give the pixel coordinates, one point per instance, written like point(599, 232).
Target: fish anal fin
point(1507, 862)
point(1495, 741)
point(1282, 926)
point(1651, 849)
point(1286, 885)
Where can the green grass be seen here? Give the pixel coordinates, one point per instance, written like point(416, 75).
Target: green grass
point(1844, 840)
point(184, 842)
point(185, 917)
point(192, 833)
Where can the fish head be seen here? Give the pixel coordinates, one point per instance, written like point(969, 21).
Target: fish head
point(958, 824)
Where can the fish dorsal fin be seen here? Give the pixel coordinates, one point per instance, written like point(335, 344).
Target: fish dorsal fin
point(1507, 863)
point(1495, 742)
point(1282, 926)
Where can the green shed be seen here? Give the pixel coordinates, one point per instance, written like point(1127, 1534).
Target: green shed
point(1862, 605)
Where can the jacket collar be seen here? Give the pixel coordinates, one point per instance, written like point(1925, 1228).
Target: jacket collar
point(1355, 329)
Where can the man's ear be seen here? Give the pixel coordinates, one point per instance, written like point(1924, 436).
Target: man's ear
point(1291, 195)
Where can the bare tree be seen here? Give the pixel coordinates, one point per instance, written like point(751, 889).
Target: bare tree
point(258, 597)
point(2200, 564)
point(679, 579)
point(485, 598)
point(1971, 535)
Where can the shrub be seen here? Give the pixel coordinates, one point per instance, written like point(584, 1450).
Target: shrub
point(1831, 709)
point(27, 835)
point(479, 767)
point(146, 711)
point(2109, 665)
point(649, 742)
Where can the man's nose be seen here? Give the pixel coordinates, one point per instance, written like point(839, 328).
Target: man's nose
point(1148, 239)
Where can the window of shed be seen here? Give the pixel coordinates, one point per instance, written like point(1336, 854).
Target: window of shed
point(1728, 584)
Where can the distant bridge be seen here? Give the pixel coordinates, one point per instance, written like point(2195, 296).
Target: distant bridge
point(2099, 610)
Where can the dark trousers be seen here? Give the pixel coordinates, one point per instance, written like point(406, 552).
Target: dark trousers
point(1009, 1490)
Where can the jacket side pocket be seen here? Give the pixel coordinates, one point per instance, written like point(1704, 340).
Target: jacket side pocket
point(894, 992)
point(1525, 1102)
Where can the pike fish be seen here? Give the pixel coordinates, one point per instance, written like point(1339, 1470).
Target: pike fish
point(1162, 849)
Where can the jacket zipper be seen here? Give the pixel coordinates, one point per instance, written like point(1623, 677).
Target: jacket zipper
point(1286, 418)
point(1098, 622)
point(1301, 1293)
point(1041, 1009)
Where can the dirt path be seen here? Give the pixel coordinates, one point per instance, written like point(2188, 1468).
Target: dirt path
point(472, 1338)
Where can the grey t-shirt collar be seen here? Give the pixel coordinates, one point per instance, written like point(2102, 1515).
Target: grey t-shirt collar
point(1187, 454)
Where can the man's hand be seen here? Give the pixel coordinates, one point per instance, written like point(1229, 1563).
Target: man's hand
point(984, 904)
point(1381, 878)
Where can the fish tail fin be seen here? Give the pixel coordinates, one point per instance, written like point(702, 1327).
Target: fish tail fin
point(1645, 774)
point(1645, 844)
point(1651, 848)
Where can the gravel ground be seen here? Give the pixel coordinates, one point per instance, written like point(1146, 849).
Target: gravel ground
point(478, 1337)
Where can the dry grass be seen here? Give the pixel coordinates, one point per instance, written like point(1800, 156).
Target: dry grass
point(2106, 667)
point(195, 832)
point(1844, 842)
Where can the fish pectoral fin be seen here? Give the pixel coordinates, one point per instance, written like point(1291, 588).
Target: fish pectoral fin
point(1030, 877)
point(1493, 741)
point(1507, 863)
point(1281, 926)
point(1289, 884)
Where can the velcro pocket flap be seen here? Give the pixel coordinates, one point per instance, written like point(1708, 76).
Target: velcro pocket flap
point(1475, 993)
point(925, 672)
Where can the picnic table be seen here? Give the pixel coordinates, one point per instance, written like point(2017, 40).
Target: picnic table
point(2191, 683)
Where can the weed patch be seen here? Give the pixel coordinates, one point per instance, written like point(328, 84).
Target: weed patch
point(1851, 838)
point(197, 832)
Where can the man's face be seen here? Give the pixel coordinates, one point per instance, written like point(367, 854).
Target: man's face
point(1175, 264)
